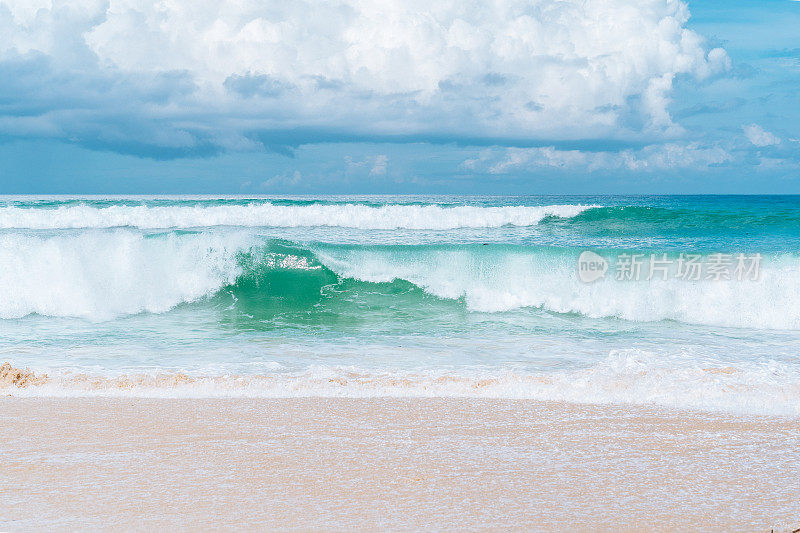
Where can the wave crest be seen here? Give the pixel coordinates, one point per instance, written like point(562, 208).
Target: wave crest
point(386, 217)
point(103, 275)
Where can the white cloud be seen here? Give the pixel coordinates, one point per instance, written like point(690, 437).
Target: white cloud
point(758, 136)
point(282, 180)
point(650, 158)
point(376, 164)
point(214, 70)
point(379, 166)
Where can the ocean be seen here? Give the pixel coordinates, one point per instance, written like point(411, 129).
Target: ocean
point(675, 301)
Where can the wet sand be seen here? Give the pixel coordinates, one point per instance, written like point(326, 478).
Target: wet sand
point(396, 464)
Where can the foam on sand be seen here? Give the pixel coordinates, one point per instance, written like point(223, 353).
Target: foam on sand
point(631, 377)
point(19, 378)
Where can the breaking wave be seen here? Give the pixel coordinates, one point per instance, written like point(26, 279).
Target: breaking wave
point(104, 274)
point(267, 214)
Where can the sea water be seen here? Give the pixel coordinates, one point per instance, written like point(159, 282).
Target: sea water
point(407, 296)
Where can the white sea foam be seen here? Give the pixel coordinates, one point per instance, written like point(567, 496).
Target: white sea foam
point(516, 279)
point(430, 217)
point(633, 376)
point(105, 274)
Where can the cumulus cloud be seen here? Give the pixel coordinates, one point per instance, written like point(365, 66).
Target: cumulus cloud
point(379, 166)
point(760, 137)
point(285, 180)
point(195, 76)
point(665, 156)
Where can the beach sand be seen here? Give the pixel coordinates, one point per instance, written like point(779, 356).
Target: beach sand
point(396, 464)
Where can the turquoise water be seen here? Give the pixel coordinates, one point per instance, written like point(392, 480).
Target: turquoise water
point(363, 296)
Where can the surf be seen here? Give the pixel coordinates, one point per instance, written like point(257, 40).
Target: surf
point(269, 214)
point(106, 274)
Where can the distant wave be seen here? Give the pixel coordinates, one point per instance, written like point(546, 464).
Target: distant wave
point(632, 219)
point(353, 215)
point(103, 274)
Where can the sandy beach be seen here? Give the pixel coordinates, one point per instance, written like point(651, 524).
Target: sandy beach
point(396, 464)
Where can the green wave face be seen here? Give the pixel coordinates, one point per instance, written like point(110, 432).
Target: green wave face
point(284, 286)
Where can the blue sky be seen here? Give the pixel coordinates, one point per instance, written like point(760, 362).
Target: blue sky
point(525, 97)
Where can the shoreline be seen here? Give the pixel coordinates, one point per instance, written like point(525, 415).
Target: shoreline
point(392, 463)
point(710, 390)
